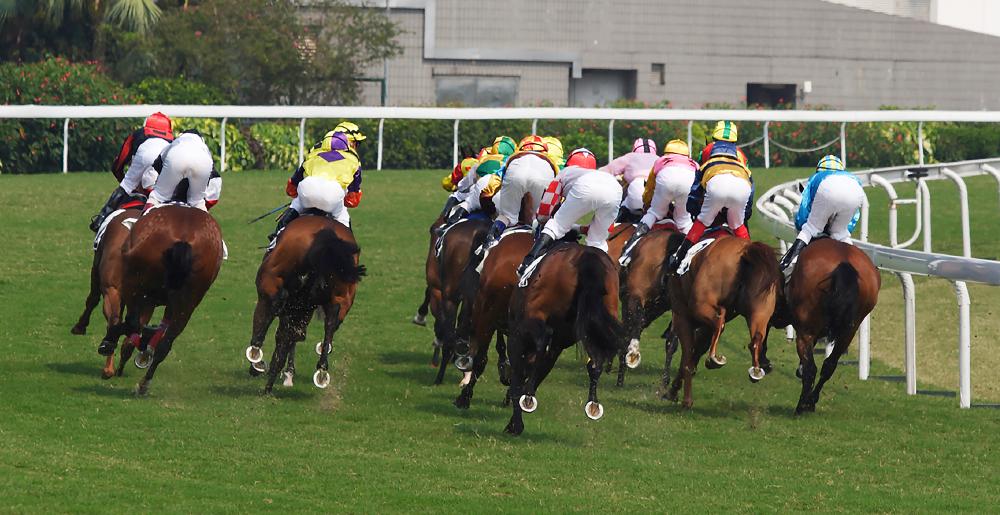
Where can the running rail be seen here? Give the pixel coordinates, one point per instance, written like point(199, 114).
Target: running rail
point(777, 209)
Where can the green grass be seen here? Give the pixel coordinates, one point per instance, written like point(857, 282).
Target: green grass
point(381, 439)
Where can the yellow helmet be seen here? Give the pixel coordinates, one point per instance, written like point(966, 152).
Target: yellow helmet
point(725, 131)
point(351, 129)
point(532, 143)
point(555, 149)
point(676, 146)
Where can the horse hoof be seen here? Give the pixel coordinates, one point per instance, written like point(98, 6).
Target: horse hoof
point(254, 354)
point(143, 359)
point(419, 320)
point(528, 403)
point(106, 348)
point(319, 349)
point(632, 355)
point(798, 372)
point(257, 368)
point(756, 374)
point(321, 378)
point(107, 374)
point(289, 377)
point(466, 379)
point(142, 389)
point(594, 410)
point(715, 362)
point(77, 329)
point(463, 363)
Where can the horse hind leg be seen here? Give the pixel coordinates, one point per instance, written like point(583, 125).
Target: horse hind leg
point(263, 316)
point(331, 321)
point(714, 359)
point(807, 371)
point(178, 319)
point(284, 339)
point(670, 344)
point(420, 318)
point(593, 408)
point(830, 363)
point(93, 297)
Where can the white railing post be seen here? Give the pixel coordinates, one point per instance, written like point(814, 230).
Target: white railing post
point(690, 123)
point(963, 196)
point(993, 172)
point(964, 346)
point(920, 141)
point(66, 146)
point(893, 214)
point(865, 331)
point(381, 123)
point(222, 145)
point(611, 140)
point(302, 140)
point(534, 126)
point(454, 150)
point(909, 332)
point(767, 146)
point(843, 142)
point(925, 214)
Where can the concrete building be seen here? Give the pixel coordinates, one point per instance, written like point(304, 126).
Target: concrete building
point(688, 52)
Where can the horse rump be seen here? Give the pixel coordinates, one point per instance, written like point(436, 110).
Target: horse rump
point(600, 331)
point(841, 301)
point(178, 261)
point(332, 256)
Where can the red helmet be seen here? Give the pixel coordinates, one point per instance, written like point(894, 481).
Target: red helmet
point(583, 158)
point(158, 125)
point(532, 143)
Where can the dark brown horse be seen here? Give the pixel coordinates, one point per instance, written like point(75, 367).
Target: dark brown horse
point(314, 264)
point(730, 277)
point(105, 284)
point(571, 297)
point(432, 292)
point(832, 289)
point(171, 258)
point(645, 298)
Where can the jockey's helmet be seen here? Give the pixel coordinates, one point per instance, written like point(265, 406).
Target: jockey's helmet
point(532, 143)
point(583, 158)
point(644, 146)
point(158, 125)
point(677, 146)
point(504, 145)
point(725, 148)
point(352, 131)
point(725, 131)
point(830, 163)
point(555, 147)
point(467, 164)
point(488, 167)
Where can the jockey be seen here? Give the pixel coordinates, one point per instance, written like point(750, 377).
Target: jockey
point(486, 186)
point(186, 157)
point(451, 181)
point(329, 179)
point(668, 183)
point(724, 131)
point(140, 150)
point(831, 203)
point(586, 190)
point(722, 183)
point(555, 150)
point(634, 167)
point(502, 148)
point(530, 170)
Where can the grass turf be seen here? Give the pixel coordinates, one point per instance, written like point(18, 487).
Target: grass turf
point(382, 439)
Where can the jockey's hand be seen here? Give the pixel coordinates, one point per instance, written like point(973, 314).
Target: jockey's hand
point(291, 189)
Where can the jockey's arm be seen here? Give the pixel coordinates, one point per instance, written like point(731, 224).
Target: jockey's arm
point(353, 196)
point(118, 166)
point(214, 189)
point(696, 196)
point(748, 211)
point(145, 156)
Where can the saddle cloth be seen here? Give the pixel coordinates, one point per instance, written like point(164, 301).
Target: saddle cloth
point(439, 244)
point(485, 251)
point(528, 272)
point(107, 221)
point(698, 247)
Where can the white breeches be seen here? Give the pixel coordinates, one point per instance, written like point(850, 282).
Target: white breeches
point(524, 175)
point(597, 193)
point(196, 167)
point(725, 191)
point(672, 185)
point(837, 199)
point(633, 195)
point(322, 194)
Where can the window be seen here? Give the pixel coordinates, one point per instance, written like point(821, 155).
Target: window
point(601, 87)
point(476, 91)
point(659, 73)
point(771, 95)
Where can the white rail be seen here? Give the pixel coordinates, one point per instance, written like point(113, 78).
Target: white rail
point(906, 263)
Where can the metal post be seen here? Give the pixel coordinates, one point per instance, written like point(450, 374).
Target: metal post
point(995, 173)
point(611, 140)
point(909, 332)
point(865, 331)
point(843, 142)
point(767, 146)
point(690, 122)
point(222, 145)
point(963, 196)
point(381, 123)
point(920, 141)
point(454, 149)
point(964, 346)
point(925, 211)
point(302, 140)
point(66, 146)
point(534, 126)
point(893, 215)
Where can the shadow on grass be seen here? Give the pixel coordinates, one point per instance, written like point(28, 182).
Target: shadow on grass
point(79, 368)
point(400, 357)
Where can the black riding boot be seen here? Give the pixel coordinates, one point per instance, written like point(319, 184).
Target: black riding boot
point(117, 197)
point(286, 218)
point(640, 230)
point(450, 203)
point(678, 256)
point(452, 218)
point(792, 253)
point(543, 242)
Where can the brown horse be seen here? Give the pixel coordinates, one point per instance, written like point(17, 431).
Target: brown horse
point(171, 258)
point(105, 284)
point(645, 298)
point(572, 296)
point(832, 289)
point(314, 264)
point(432, 292)
point(730, 277)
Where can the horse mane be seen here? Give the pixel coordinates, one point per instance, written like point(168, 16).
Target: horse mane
point(601, 332)
point(758, 272)
point(332, 256)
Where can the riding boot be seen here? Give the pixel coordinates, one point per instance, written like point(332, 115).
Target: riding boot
point(793, 252)
point(496, 230)
point(678, 256)
point(456, 214)
point(450, 203)
point(117, 197)
point(640, 230)
point(541, 244)
point(286, 218)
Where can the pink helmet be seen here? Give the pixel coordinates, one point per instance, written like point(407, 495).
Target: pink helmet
point(644, 145)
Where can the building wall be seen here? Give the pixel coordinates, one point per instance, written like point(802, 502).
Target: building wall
point(854, 58)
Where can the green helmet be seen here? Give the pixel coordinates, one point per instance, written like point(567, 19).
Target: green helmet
point(489, 167)
point(504, 145)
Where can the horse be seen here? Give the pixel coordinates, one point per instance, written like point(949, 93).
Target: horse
point(314, 264)
point(171, 258)
point(730, 277)
point(645, 298)
point(572, 296)
point(105, 284)
point(432, 292)
point(833, 287)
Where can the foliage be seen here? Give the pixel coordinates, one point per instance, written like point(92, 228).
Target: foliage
point(958, 141)
point(177, 91)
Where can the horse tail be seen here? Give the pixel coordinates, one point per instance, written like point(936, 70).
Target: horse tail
point(758, 271)
point(600, 330)
point(178, 261)
point(842, 299)
point(332, 256)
